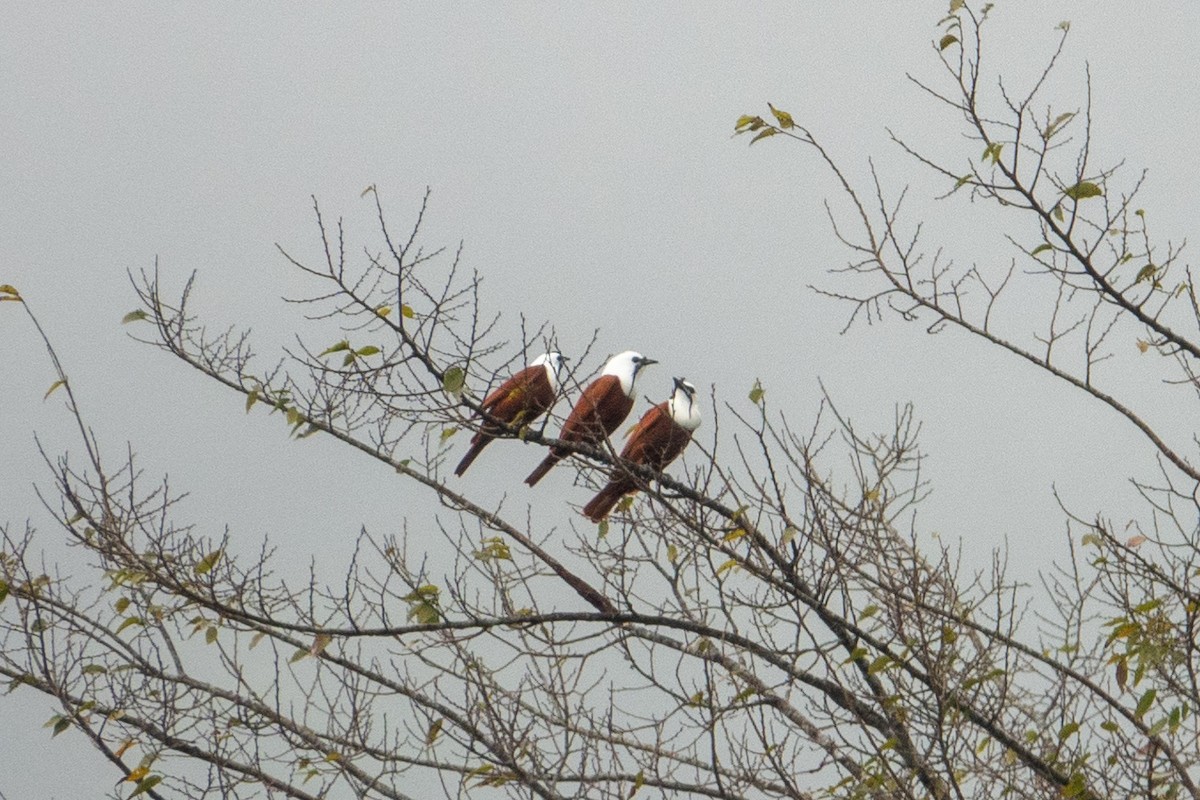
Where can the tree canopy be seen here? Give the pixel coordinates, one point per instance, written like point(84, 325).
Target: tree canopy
point(762, 619)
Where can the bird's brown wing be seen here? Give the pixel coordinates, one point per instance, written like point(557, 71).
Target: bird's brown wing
point(600, 409)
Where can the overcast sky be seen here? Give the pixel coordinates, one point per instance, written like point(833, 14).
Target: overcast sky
point(582, 153)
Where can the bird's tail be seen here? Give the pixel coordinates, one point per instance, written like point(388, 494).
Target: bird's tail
point(600, 505)
point(477, 445)
point(547, 464)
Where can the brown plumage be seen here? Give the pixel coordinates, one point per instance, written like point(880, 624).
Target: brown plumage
point(656, 441)
point(518, 401)
point(601, 408)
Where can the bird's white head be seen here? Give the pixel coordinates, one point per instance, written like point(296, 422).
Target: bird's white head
point(626, 366)
point(684, 408)
point(553, 362)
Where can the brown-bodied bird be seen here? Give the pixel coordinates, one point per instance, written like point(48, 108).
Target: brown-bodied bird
point(604, 405)
point(518, 401)
point(655, 442)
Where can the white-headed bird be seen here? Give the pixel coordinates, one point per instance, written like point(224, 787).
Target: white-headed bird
point(604, 405)
point(655, 442)
point(518, 401)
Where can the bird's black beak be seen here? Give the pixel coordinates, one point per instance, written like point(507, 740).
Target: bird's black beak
point(645, 362)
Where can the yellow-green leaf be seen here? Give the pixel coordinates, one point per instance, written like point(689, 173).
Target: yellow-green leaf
point(299, 655)
point(407, 312)
point(60, 726)
point(54, 386)
point(447, 433)
point(1083, 190)
point(210, 635)
point(146, 784)
point(369, 350)
point(320, 642)
point(947, 40)
point(757, 392)
point(785, 119)
point(251, 399)
point(728, 565)
point(383, 311)
point(639, 781)
point(9, 290)
point(1041, 248)
point(208, 562)
point(435, 729)
point(335, 348)
point(763, 134)
point(602, 529)
point(1144, 703)
point(453, 380)
point(133, 316)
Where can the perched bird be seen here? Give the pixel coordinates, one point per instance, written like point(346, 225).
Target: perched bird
point(604, 405)
point(518, 401)
point(655, 442)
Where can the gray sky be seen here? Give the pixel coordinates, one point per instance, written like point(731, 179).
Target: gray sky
point(583, 155)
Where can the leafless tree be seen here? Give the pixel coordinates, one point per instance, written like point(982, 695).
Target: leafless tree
point(764, 624)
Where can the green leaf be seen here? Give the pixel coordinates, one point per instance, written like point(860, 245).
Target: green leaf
point(146, 784)
point(133, 316)
point(383, 311)
point(121, 605)
point(435, 729)
point(369, 350)
point(3, 591)
point(992, 152)
point(1059, 121)
point(869, 611)
point(453, 380)
point(964, 180)
point(1083, 190)
point(251, 399)
point(425, 614)
point(335, 348)
point(1144, 703)
point(446, 434)
point(1067, 730)
point(207, 563)
point(1148, 606)
point(210, 635)
point(749, 123)
point(947, 40)
point(60, 726)
point(130, 621)
point(1110, 726)
point(602, 529)
point(728, 565)
point(1041, 248)
point(785, 119)
point(763, 134)
point(880, 664)
point(757, 392)
point(54, 386)
point(1146, 273)
point(299, 655)
point(1057, 211)
point(639, 781)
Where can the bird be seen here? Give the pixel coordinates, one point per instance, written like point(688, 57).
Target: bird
point(518, 401)
point(656, 441)
point(604, 405)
